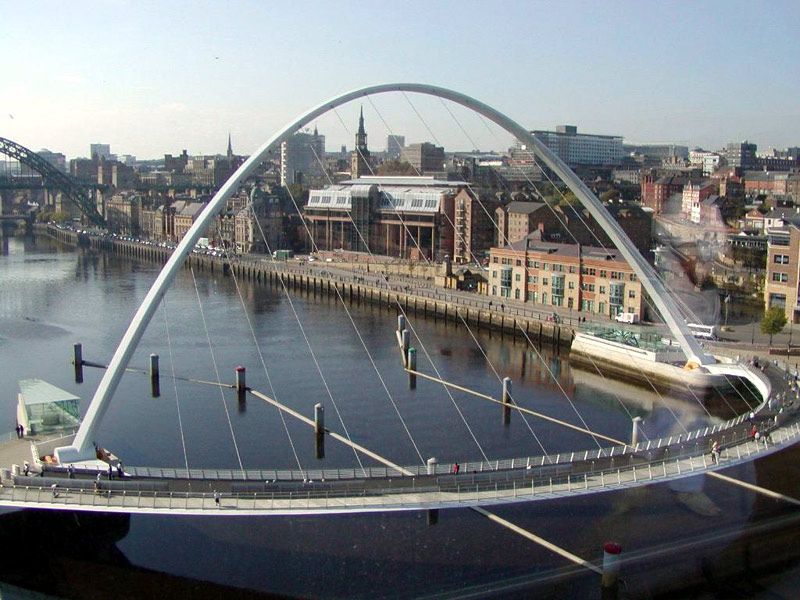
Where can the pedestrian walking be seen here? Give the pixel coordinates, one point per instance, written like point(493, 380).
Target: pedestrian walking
point(216, 498)
point(22, 431)
point(715, 452)
point(26, 468)
point(120, 472)
point(110, 473)
point(54, 489)
point(71, 471)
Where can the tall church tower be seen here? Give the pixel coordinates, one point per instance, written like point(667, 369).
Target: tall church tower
point(359, 159)
point(230, 147)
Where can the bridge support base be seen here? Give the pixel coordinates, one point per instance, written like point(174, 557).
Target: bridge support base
point(77, 360)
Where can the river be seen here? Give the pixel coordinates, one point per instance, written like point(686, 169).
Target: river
point(52, 297)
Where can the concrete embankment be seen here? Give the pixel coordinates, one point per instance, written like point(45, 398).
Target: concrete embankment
point(352, 290)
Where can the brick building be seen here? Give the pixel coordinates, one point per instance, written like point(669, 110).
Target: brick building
point(583, 278)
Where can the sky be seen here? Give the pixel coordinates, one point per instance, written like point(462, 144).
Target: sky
point(151, 78)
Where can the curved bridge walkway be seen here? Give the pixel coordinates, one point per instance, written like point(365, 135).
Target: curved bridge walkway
point(176, 491)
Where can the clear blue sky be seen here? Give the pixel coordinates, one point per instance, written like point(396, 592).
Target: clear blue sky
point(156, 77)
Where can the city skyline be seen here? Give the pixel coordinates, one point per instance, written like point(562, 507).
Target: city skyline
point(106, 73)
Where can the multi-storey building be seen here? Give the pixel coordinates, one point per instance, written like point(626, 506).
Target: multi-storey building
point(395, 144)
point(769, 183)
point(582, 148)
point(656, 190)
point(185, 218)
point(694, 192)
point(99, 151)
point(742, 155)
point(407, 217)
point(783, 270)
point(585, 278)
point(302, 157)
point(426, 158)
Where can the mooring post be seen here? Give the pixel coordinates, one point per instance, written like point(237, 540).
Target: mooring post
point(319, 429)
point(77, 360)
point(611, 564)
point(412, 366)
point(401, 323)
point(406, 341)
point(241, 385)
point(637, 424)
point(155, 384)
point(506, 400)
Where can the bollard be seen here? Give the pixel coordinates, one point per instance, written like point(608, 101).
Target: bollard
point(506, 400)
point(155, 384)
point(432, 462)
point(77, 360)
point(637, 423)
point(406, 340)
point(241, 387)
point(401, 323)
point(319, 429)
point(611, 564)
point(412, 366)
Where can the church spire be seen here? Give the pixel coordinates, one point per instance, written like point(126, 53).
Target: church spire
point(230, 147)
point(361, 123)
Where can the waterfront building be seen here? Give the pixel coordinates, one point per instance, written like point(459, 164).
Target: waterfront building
point(783, 269)
point(582, 148)
point(185, 218)
point(406, 217)
point(123, 212)
point(584, 278)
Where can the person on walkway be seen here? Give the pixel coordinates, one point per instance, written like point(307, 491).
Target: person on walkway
point(54, 489)
point(71, 471)
point(22, 431)
point(120, 472)
point(715, 452)
point(110, 472)
point(216, 498)
point(26, 468)
point(18, 429)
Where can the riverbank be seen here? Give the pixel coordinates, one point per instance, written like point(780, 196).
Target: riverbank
point(435, 304)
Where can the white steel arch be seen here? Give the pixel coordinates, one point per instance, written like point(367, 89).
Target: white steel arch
point(81, 449)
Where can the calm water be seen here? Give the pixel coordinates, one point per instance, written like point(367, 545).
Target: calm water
point(51, 297)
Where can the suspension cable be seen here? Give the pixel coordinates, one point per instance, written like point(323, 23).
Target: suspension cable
point(305, 336)
point(258, 346)
point(175, 384)
point(216, 370)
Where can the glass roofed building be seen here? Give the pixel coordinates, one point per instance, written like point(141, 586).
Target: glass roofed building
point(406, 217)
point(43, 408)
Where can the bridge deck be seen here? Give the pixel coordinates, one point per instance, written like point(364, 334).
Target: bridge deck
point(181, 496)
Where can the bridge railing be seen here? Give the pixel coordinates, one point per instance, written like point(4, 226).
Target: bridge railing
point(462, 492)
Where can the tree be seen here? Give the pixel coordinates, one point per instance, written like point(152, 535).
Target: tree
point(773, 322)
point(396, 167)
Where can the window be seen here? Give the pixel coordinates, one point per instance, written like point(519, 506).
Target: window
point(494, 259)
point(530, 278)
point(494, 290)
point(536, 264)
point(494, 274)
point(603, 273)
point(519, 263)
point(631, 294)
point(781, 259)
point(572, 268)
point(633, 277)
point(780, 277)
point(517, 277)
point(571, 285)
point(516, 294)
point(545, 266)
point(544, 297)
point(602, 289)
point(544, 281)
